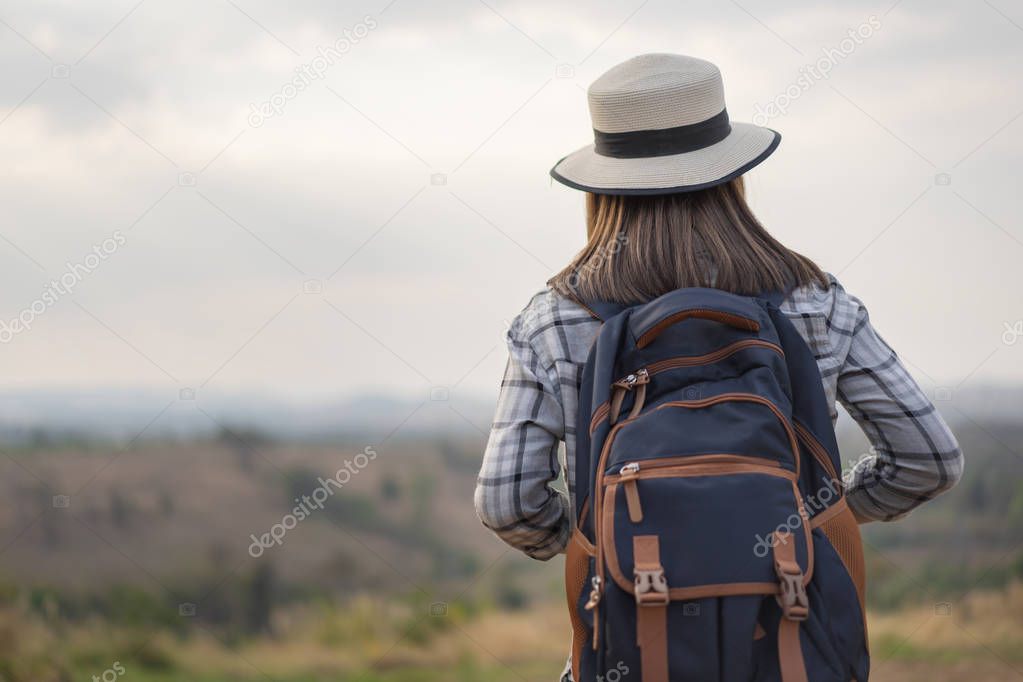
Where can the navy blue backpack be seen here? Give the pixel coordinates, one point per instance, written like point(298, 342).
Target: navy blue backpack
point(713, 539)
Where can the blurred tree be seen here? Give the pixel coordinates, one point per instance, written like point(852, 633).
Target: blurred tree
point(166, 502)
point(390, 488)
point(260, 599)
point(121, 509)
point(244, 443)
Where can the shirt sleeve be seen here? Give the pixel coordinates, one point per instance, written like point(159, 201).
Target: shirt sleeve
point(514, 496)
point(914, 456)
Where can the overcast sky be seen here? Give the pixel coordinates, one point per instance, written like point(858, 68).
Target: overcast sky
point(306, 252)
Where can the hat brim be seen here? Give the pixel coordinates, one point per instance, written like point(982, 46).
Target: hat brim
point(745, 147)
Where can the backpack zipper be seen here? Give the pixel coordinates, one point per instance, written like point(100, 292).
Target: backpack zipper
point(686, 465)
point(719, 354)
point(640, 378)
point(637, 378)
point(818, 451)
point(649, 468)
point(604, 409)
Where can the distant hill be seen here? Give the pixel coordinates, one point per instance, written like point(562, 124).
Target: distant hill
point(122, 414)
point(179, 513)
point(28, 416)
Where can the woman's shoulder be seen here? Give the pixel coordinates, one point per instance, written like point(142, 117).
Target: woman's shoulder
point(553, 325)
point(828, 318)
point(833, 302)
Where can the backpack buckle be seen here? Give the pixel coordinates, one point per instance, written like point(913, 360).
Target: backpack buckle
point(651, 587)
point(792, 599)
point(594, 594)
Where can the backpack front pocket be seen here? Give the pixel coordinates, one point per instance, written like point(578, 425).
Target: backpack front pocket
point(692, 545)
point(716, 517)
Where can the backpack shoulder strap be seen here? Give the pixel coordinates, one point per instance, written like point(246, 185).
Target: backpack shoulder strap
point(594, 390)
point(599, 310)
point(775, 296)
point(809, 402)
point(604, 310)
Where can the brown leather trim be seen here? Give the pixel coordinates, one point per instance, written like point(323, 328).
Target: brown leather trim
point(681, 468)
point(790, 652)
point(582, 304)
point(807, 532)
point(713, 356)
point(737, 321)
point(706, 470)
point(582, 517)
point(603, 409)
point(721, 590)
point(599, 415)
point(632, 500)
point(615, 408)
point(818, 451)
point(610, 556)
point(638, 401)
point(829, 513)
point(651, 619)
point(585, 545)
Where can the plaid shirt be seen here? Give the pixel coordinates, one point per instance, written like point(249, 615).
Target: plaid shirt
point(914, 455)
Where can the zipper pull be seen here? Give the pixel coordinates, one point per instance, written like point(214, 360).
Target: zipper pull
point(638, 378)
point(629, 470)
point(641, 378)
point(625, 383)
point(628, 475)
point(594, 593)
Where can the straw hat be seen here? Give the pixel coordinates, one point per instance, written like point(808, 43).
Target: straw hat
point(660, 126)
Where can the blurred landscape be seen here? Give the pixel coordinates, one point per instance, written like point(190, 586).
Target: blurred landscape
point(157, 554)
point(324, 292)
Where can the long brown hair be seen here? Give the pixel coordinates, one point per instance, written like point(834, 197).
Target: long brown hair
point(641, 247)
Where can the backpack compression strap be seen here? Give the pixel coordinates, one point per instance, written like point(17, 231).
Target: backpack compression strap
point(652, 599)
point(651, 608)
point(794, 607)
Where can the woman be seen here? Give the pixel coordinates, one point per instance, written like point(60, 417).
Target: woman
point(666, 210)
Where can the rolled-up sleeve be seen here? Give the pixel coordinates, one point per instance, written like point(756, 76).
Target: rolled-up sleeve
point(514, 496)
point(915, 456)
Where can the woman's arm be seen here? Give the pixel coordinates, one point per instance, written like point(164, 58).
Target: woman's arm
point(915, 457)
point(514, 497)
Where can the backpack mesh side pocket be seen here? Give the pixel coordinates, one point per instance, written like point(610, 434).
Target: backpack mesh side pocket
point(843, 532)
point(577, 567)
